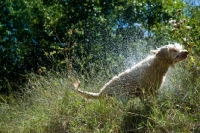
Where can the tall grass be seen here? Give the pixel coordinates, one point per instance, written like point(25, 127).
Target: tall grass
point(49, 104)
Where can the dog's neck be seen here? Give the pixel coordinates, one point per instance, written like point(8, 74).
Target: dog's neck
point(161, 65)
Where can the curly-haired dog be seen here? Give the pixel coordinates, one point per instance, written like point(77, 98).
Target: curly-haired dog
point(145, 77)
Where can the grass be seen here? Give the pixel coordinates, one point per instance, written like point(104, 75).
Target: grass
point(49, 104)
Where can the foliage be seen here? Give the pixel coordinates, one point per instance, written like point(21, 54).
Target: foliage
point(22, 41)
point(55, 34)
point(97, 39)
point(49, 104)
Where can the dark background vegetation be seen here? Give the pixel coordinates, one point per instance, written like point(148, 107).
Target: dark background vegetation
point(72, 34)
point(44, 43)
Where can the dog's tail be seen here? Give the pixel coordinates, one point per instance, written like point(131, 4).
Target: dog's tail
point(84, 94)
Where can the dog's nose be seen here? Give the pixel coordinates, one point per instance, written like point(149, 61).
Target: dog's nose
point(185, 51)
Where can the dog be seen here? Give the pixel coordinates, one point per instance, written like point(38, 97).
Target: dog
point(145, 78)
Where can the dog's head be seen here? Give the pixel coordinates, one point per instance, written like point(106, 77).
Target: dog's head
point(171, 53)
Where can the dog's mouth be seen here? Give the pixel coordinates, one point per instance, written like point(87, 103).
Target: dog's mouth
point(182, 55)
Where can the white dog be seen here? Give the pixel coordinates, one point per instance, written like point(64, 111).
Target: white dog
point(145, 77)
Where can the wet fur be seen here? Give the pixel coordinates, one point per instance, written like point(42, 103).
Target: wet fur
point(145, 77)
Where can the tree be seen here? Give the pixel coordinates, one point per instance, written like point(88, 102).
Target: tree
point(42, 33)
point(22, 41)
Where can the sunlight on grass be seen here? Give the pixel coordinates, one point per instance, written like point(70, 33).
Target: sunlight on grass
point(49, 104)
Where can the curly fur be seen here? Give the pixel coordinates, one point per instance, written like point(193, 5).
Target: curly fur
point(145, 77)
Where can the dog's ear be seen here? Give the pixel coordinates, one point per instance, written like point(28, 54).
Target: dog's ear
point(154, 51)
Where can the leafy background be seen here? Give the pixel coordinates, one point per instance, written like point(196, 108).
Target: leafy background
point(43, 34)
point(43, 42)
